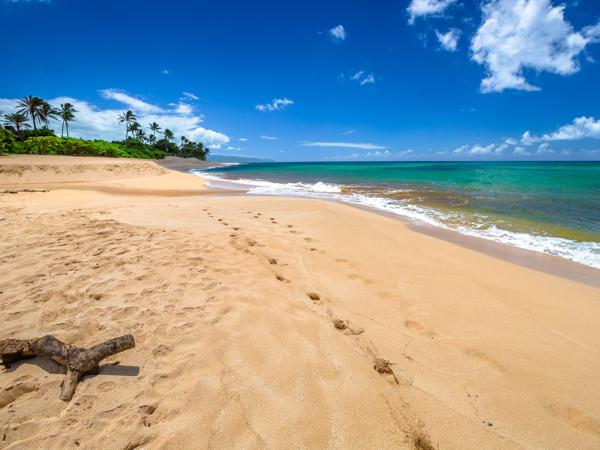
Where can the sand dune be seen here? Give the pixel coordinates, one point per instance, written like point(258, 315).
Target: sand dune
point(258, 321)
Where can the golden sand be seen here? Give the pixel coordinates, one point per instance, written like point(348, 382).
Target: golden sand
point(266, 322)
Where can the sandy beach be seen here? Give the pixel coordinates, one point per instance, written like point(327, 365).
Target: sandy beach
point(258, 320)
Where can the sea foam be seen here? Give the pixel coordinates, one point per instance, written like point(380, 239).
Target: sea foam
point(587, 253)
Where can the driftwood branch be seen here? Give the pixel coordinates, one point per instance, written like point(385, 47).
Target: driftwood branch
point(78, 361)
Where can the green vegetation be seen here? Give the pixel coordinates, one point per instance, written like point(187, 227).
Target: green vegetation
point(17, 136)
point(7, 141)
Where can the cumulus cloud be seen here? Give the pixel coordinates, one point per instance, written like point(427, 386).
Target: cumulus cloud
point(477, 149)
point(363, 146)
point(521, 151)
point(526, 34)
point(581, 128)
point(420, 8)
point(449, 40)
point(92, 122)
point(544, 148)
point(338, 33)
point(277, 104)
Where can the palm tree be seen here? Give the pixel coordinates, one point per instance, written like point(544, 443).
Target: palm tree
point(155, 128)
point(31, 106)
point(152, 139)
point(128, 118)
point(141, 135)
point(184, 141)
point(67, 113)
point(168, 134)
point(16, 120)
point(134, 128)
point(46, 113)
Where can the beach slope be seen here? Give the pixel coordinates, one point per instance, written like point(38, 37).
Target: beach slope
point(260, 323)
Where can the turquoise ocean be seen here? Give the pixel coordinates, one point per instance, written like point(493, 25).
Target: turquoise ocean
point(549, 207)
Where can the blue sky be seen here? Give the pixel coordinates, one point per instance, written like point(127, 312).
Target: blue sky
point(320, 80)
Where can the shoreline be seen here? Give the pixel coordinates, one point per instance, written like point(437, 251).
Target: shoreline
point(244, 300)
point(530, 259)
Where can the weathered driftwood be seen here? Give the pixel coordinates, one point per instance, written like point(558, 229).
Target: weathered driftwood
point(78, 361)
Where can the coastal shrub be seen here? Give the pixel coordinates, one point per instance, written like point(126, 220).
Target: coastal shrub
point(41, 132)
point(51, 145)
point(42, 145)
point(7, 141)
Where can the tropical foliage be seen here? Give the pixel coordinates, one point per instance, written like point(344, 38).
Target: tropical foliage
point(7, 141)
point(18, 136)
point(52, 145)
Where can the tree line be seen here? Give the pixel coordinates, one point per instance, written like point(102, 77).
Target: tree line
point(32, 111)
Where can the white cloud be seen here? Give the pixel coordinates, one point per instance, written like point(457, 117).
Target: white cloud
point(190, 96)
point(242, 139)
point(369, 79)
point(364, 146)
point(420, 8)
point(362, 78)
point(182, 108)
point(581, 128)
point(237, 149)
point(348, 132)
point(477, 149)
point(378, 153)
point(526, 34)
point(165, 71)
point(521, 151)
point(92, 122)
point(544, 148)
point(132, 102)
point(269, 138)
point(276, 104)
point(449, 40)
point(338, 33)
point(528, 139)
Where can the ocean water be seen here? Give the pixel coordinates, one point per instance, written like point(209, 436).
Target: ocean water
point(550, 207)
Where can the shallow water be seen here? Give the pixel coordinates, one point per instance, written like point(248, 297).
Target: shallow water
point(551, 207)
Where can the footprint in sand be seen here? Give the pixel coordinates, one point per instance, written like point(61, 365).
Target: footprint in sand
point(11, 393)
point(314, 296)
point(384, 367)
point(346, 327)
point(272, 261)
point(575, 418)
point(484, 358)
point(107, 386)
point(282, 279)
point(419, 328)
